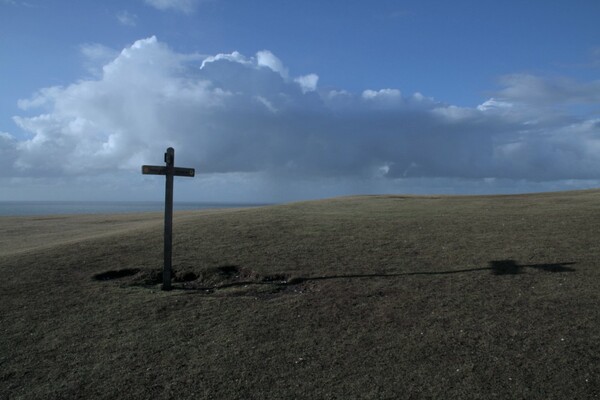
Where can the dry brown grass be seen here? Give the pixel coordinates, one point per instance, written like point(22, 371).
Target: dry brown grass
point(360, 297)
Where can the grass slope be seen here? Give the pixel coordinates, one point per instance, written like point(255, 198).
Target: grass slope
point(360, 297)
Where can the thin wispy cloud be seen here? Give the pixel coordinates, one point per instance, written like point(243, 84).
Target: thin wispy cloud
point(595, 57)
point(540, 90)
point(398, 14)
point(125, 18)
point(184, 6)
point(16, 3)
point(95, 56)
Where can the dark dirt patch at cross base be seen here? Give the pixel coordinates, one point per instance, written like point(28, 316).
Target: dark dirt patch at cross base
point(228, 280)
point(116, 274)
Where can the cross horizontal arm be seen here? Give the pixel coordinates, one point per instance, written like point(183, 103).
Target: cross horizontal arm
point(159, 170)
point(154, 170)
point(178, 171)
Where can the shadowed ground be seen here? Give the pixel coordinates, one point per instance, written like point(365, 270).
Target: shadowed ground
point(361, 297)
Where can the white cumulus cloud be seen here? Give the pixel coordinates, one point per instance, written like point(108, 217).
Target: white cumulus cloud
point(308, 83)
point(229, 115)
point(267, 59)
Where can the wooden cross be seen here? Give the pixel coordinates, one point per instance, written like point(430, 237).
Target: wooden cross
point(169, 171)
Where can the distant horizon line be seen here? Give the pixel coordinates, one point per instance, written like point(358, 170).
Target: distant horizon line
point(138, 201)
point(261, 203)
point(56, 207)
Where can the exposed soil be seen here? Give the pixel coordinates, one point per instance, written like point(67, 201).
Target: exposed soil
point(226, 280)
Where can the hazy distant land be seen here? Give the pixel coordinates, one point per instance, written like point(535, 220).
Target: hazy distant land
point(30, 208)
point(357, 297)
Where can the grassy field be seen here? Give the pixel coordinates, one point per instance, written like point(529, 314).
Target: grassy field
point(360, 297)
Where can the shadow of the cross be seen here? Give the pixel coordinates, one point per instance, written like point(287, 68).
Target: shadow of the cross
point(501, 267)
point(497, 267)
point(510, 267)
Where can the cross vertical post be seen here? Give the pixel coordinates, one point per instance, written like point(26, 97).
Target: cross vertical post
point(169, 171)
point(168, 249)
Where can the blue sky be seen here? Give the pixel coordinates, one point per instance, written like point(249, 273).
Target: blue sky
point(307, 99)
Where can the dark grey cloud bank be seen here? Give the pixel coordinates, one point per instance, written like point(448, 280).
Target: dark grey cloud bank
point(231, 114)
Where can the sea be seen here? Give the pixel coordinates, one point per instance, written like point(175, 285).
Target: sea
point(27, 208)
